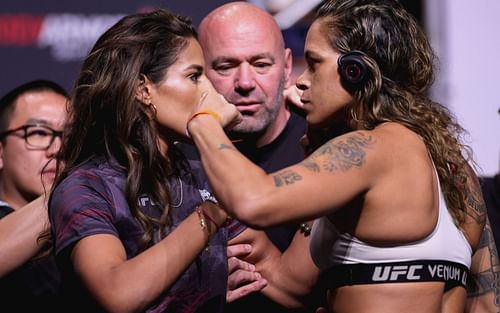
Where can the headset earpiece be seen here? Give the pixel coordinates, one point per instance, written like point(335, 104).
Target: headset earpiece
point(352, 69)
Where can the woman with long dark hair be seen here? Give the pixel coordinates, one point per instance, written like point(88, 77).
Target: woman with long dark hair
point(134, 225)
point(398, 210)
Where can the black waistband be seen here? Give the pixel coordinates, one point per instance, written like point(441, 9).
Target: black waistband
point(452, 273)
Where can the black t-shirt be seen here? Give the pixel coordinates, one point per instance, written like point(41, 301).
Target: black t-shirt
point(33, 287)
point(284, 151)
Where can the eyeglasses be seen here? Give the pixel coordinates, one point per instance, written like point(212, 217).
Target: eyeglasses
point(36, 136)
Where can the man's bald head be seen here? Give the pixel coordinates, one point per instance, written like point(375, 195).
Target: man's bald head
point(248, 64)
point(239, 17)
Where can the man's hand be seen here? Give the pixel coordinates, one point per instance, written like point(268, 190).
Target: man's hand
point(243, 279)
point(292, 96)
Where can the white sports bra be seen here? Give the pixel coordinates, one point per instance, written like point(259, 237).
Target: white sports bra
point(446, 243)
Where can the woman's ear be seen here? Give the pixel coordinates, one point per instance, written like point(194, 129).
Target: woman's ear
point(143, 90)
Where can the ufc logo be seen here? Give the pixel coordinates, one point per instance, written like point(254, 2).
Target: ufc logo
point(392, 273)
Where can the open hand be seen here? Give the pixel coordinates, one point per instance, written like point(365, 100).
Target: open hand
point(243, 279)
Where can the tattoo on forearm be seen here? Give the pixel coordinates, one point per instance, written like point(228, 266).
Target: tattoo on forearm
point(481, 283)
point(342, 154)
point(223, 146)
point(489, 279)
point(286, 178)
point(495, 263)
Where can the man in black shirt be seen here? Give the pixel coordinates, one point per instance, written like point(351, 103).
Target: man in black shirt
point(247, 62)
point(31, 121)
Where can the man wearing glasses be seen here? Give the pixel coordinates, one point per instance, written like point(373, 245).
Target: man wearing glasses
point(32, 117)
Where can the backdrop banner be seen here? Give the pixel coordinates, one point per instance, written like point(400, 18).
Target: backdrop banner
point(49, 39)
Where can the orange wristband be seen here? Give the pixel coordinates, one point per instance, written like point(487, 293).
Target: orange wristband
point(212, 113)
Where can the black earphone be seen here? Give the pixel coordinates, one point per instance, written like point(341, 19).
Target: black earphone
point(353, 70)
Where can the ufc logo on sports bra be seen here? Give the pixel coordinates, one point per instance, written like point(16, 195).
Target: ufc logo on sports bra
point(395, 273)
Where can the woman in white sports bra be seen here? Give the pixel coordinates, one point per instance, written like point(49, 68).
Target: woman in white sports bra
point(398, 210)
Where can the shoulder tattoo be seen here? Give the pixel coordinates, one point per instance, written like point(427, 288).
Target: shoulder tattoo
point(340, 154)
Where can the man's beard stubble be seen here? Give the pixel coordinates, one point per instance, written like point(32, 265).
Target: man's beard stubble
point(254, 132)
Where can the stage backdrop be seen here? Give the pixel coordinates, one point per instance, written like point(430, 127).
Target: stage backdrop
point(48, 39)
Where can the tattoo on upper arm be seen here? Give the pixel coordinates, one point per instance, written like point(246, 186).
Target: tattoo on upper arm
point(341, 154)
point(476, 208)
point(286, 177)
point(338, 154)
point(310, 165)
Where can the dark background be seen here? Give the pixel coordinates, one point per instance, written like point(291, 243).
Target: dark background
point(24, 57)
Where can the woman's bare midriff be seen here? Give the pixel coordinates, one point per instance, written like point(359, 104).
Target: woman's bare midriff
point(424, 297)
